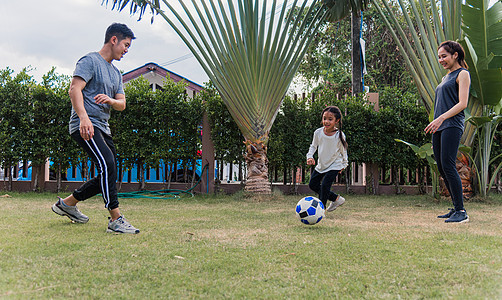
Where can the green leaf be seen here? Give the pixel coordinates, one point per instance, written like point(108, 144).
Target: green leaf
point(415, 148)
point(479, 121)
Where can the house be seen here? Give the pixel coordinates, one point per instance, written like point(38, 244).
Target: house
point(156, 74)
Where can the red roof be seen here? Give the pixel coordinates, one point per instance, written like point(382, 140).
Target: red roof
point(153, 67)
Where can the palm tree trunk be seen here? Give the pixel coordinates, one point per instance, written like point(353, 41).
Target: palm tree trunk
point(257, 164)
point(465, 173)
point(357, 83)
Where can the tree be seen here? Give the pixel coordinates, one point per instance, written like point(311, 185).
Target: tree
point(327, 63)
point(15, 117)
point(187, 132)
point(225, 134)
point(291, 136)
point(158, 126)
point(49, 126)
point(249, 59)
point(177, 127)
point(135, 142)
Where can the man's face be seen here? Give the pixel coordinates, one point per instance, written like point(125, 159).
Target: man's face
point(120, 48)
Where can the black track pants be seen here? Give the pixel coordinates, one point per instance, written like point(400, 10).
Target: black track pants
point(102, 152)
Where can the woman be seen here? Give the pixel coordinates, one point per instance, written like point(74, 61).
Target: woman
point(448, 125)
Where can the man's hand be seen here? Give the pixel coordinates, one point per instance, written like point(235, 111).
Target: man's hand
point(310, 161)
point(103, 99)
point(119, 103)
point(86, 129)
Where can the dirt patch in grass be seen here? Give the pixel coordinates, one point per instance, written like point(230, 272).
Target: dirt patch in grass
point(232, 237)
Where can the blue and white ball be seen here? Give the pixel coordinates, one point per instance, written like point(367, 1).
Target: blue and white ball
point(310, 210)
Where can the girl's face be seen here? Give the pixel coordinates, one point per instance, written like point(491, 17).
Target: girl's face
point(329, 121)
point(446, 59)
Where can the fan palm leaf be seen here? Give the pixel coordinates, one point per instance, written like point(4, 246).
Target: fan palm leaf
point(419, 49)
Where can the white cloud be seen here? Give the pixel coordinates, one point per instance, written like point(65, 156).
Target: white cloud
point(58, 32)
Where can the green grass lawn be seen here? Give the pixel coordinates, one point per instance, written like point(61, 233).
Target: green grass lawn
point(373, 247)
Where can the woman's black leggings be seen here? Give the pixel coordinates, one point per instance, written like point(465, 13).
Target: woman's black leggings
point(321, 184)
point(445, 146)
point(102, 152)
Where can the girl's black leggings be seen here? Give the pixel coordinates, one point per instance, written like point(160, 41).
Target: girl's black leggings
point(102, 152)
point(321, 184)
point(445, 146)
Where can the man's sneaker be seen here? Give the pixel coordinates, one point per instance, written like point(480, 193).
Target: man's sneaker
point(447, 215)
point(458, 217)
point(121, 226)
point(71, 212)
point(334, 204)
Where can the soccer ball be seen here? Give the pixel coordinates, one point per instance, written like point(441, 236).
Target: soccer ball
point(310, 210)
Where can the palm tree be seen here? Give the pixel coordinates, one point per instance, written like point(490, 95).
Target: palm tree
point(250, 57)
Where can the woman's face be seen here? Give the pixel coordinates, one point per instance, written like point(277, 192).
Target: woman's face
point(446, 59)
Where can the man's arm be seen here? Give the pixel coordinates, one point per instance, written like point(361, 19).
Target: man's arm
point(119, 103)
point(77, 101)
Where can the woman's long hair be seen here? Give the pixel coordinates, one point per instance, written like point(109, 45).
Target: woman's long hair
point(452, 47)
point(338, 115)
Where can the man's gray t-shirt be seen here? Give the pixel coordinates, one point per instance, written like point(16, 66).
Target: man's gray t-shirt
point(101, 77)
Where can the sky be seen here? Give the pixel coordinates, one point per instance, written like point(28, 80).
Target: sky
point(47, 33)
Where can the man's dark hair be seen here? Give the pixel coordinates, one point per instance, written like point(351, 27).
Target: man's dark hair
point(121, 31)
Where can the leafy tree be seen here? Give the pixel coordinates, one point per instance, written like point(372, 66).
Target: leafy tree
point(188, 115)
point(15, 118)
point(291, 137)
point(49, 126)
point(401, 116)
point(157, 126)
point(328, 59)
point(225, 134)
point(169, 104)
point(135, 139)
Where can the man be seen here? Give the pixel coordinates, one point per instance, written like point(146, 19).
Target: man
point(95, 89)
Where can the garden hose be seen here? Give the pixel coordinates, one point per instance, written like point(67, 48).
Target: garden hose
point(162, 194)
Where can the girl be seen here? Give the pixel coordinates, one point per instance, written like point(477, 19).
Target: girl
point(330, 143)
point(448, 124)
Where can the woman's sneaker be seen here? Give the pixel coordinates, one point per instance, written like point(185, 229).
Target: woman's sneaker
point(121, 226)
point(458, 217)
point(334, 204)
point(447, 215)
point(71, 212)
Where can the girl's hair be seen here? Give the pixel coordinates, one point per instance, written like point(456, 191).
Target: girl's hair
point(338, 115)
point(452, 47)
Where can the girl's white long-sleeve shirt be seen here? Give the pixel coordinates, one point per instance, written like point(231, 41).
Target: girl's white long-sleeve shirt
point(330, 151)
